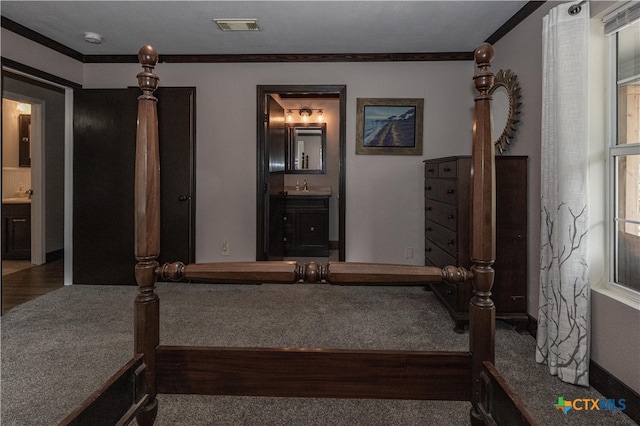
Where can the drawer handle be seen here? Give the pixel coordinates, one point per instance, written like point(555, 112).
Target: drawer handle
point(431, 170)
point(428, 188)
point(285, 218)
point(517, 297)
point(451, 216)
point(450, 191)
point(428, 208)
point(428, 228)
point(449, 292)
point(284, 239)
point(447, 169)
point(312, 229)
point(428, 249)
point(451, 242)
point(18, 220)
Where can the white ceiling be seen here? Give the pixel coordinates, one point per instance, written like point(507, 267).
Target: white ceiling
point(287, 27)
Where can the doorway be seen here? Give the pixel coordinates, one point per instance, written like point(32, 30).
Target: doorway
point(22, 183)
point(297, 95)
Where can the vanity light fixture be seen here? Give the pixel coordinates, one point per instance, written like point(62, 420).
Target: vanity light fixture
point(305, 113)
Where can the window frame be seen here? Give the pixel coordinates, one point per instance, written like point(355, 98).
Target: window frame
point(614, 150)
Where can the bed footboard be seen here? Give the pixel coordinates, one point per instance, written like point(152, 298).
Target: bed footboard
point(314, 373)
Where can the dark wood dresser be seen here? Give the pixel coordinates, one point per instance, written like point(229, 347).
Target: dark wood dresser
point(447, 216)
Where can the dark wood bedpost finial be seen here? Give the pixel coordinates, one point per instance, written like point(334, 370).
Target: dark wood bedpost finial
point(147, 228)
point(481, 308)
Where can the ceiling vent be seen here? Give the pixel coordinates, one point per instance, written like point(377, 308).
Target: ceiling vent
point(237, 24)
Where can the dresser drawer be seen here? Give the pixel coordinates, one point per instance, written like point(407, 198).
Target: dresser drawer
point(441, 213)
point(431, 170)
point(435, 256)
point(445, 238)
point(445, 190)
point(448, 169)
point(448, 292)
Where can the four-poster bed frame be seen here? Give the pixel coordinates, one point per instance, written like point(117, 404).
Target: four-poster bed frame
point(285, 372)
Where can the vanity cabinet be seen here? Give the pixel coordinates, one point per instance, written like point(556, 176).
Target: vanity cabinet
point(447, 225)
point(16, 231)
point(304, 220)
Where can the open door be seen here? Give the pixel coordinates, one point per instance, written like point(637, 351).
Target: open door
point(103, 169)
point(276, 153)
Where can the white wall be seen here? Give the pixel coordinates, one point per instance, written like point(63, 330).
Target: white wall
point(384, 206)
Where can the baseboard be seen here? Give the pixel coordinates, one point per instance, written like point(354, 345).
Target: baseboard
point(612, 388)
point(54, 255)
point(532, 327)
point(605, 383)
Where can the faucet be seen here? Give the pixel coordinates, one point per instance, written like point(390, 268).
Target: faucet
point(304, 186)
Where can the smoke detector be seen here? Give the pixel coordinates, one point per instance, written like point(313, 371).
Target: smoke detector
point(93, 38)
point(237, 24)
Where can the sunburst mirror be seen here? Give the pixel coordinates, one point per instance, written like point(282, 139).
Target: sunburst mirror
point(505, 108)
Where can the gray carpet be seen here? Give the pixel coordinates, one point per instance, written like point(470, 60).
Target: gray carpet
point(59, 348)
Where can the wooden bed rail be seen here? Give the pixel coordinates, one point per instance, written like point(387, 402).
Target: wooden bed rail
point(291, 272)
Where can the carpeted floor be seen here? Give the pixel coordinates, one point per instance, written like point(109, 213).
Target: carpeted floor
point(59, 348)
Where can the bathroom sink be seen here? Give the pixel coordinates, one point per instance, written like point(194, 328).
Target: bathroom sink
point(310, 191)
point(16, 200)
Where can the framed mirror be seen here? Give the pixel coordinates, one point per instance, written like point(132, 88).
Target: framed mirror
point(505, 108)
point(306, 148)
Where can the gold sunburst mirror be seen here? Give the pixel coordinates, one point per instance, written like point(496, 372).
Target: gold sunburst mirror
point(505, 108)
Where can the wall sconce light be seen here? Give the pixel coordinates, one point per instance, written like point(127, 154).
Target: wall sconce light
point(305, 113)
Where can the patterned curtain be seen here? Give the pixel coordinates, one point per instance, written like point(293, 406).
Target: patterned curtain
point(563, 314)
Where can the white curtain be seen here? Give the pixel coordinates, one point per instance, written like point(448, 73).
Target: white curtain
point(563, 314)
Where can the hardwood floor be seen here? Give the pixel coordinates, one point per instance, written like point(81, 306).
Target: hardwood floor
point(27, 284)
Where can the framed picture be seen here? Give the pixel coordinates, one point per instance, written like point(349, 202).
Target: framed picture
point(389, 126)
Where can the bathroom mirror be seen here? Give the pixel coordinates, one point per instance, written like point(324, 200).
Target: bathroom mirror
point(306, 148)
point(24, 140)
point(505, 108)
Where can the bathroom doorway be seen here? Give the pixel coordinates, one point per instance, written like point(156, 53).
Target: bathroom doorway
point(295, 98)
point(22, 221)
point(39, 165)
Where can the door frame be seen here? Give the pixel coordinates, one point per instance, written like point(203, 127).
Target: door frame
point(262, 155)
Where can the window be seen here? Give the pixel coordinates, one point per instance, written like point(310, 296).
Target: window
point(624, 149)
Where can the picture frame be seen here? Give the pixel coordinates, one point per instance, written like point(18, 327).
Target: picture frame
point(389, 126)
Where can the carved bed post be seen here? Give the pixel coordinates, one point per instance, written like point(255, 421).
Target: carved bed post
point(147, 228)
point(481, 309)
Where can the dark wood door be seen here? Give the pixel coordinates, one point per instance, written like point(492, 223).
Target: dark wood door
point(103, 170)
point(276, 154)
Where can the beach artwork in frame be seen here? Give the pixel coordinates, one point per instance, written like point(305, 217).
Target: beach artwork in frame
point(389, 126)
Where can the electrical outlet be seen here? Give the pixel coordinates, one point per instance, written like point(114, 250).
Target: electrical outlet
point(225, 249)
point(408, 253)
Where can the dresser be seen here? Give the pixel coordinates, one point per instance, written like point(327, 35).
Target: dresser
point(447, 224)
